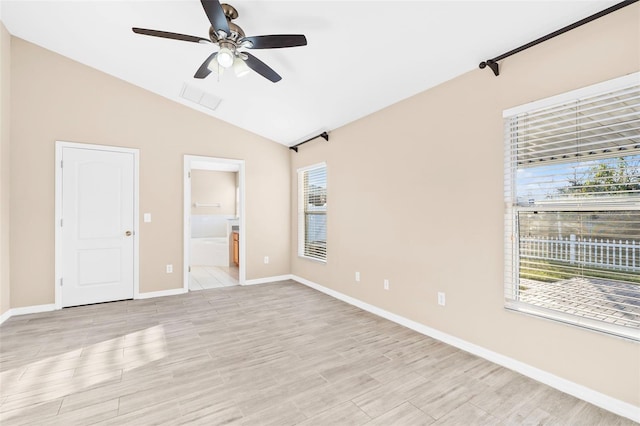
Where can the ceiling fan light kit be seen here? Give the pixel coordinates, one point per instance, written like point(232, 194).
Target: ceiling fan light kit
point(213, 66)
point(240, 67)
point(225, 57)
point(230, 39)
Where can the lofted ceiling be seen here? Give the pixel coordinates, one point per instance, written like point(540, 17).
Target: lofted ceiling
point(361, 55)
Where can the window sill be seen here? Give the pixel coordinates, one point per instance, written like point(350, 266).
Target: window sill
point(627, 333)
point(312, 259)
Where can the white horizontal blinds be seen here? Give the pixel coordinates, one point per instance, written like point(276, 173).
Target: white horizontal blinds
point(510, 219)
point(312, 217)
point(572, 222)
point(600, 124)
point(588, 147)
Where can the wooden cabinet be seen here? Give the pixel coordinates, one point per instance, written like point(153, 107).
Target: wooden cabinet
point(236, 248)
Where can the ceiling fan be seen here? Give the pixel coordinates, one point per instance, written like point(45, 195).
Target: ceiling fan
point(231, 41)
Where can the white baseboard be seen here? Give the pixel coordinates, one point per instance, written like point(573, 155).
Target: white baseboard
point(5, 316)
point(25, 310)
point(601, 400)
point(268, 279)
point(52, 307)
point(33, 309)
point(163, 293)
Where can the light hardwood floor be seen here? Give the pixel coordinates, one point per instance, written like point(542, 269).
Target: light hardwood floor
point(274, 354)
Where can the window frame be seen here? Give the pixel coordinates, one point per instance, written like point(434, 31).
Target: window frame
point(303, 214)
point(513, 209)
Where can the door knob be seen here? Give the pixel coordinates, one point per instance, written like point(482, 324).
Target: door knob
point(128, 233)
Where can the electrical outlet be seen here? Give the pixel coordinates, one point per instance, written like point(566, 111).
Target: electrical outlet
point(441, 299)
point(266, 259)
point(386, 284)
point(169, 269)
point(358, 276)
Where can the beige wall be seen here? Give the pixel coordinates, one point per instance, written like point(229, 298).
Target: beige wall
point(415, 195)
point(54, 98)
point(211, 187)
point(5, 89)
point(407, 185)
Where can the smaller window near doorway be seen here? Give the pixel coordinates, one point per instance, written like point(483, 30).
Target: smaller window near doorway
point(312, 212)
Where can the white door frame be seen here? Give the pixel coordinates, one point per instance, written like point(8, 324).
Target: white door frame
point(58, 212)
point(216, 164)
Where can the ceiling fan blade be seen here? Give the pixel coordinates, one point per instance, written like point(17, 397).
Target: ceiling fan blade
point(174, 36)
point(275, 41)
point(216, 15)
point(261, 68)
point(204, 70)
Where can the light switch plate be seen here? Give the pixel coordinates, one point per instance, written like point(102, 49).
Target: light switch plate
point(147, 217)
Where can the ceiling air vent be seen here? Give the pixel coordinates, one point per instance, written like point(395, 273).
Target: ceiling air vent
point(199, 97)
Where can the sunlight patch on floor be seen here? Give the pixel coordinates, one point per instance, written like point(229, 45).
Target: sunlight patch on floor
point(52, 378)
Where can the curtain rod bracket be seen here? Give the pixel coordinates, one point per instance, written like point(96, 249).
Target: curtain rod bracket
point(493, 63)
point(323, 135)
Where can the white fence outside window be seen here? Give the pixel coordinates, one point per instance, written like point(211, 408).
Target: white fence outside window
point(602, 253)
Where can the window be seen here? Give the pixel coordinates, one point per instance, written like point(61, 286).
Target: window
point(572, 197)
point(312, 212)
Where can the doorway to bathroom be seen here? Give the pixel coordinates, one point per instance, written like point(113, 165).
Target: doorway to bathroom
point(214, 237)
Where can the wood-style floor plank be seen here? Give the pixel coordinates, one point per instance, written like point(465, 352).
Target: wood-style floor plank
point(276, 354)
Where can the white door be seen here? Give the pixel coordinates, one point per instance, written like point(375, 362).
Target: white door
point(97, 226)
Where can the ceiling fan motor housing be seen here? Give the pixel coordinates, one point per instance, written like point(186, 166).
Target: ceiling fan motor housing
point(228, 42)
point(236, 33)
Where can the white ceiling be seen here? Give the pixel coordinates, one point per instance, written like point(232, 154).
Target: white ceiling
point(361, 55)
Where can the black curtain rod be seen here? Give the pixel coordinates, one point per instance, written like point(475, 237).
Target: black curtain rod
point(323, 135)
point(493, 63)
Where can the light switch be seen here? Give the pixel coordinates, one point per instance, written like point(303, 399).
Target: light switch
point(147, 217)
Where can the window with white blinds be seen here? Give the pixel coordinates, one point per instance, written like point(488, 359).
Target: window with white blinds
point(312, 212)
point(572, 197)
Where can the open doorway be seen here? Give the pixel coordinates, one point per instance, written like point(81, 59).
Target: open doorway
point(214, 249)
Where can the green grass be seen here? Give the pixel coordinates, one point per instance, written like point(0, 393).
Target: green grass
point(550, 271)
